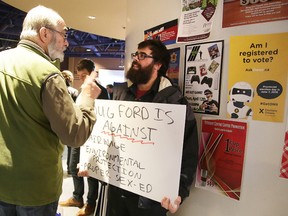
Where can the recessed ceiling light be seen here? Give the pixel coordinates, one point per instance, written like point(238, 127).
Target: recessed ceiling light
point(92, 17)
point(88, 50)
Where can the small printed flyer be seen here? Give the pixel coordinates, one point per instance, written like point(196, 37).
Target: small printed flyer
point(221, 156)
point(257, 77)
point(196, 20)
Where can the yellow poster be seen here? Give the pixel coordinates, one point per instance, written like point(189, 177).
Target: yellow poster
point(257, 77)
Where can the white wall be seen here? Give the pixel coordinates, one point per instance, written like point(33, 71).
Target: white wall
point(110, 76)
point(263, 193)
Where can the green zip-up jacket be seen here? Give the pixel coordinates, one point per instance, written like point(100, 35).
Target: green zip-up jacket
point(36, 112)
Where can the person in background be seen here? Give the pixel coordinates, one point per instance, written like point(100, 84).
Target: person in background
point(69, 78)
point(84, 68)
point(38, 116)
point(109, 88)
point(150, 84)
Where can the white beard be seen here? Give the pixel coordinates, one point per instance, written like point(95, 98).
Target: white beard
point(54, 53)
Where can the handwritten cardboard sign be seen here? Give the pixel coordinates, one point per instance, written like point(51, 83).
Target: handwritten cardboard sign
point(136, 146)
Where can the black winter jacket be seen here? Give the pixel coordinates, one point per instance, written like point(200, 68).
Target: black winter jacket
point(163, 91)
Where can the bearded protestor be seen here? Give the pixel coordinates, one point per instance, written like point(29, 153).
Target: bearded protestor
point(150, 84)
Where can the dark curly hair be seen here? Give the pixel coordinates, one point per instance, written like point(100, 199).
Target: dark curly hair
point(86, 64)
point(159, 52)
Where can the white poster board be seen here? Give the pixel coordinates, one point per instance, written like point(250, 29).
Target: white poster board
point(136, 146)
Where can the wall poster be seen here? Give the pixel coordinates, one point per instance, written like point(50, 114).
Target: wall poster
point(284, 161)
point(196, 20)
point(127, 141)
point(245, 12)
point(166, 32)
point(203, 69)
point(173, 71)
point(221, 156)
point(257, 77)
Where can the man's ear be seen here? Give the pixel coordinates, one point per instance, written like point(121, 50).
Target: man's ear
point(157, 66)
point(44, 35)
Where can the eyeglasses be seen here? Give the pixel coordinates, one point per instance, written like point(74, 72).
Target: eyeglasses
point(63, 34)
point(141, 55)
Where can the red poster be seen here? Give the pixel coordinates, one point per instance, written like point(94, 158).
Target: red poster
point(221, 156)
point(284, 161)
